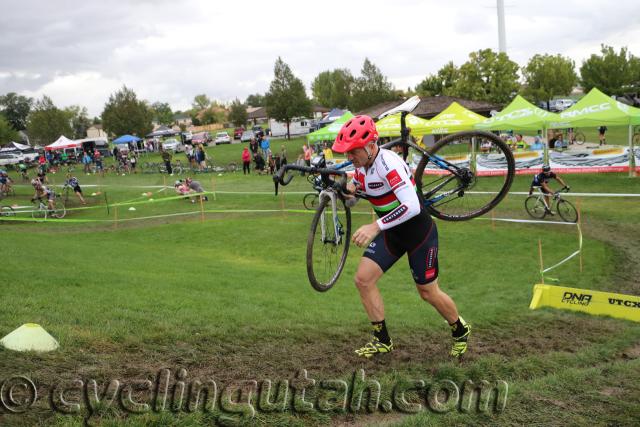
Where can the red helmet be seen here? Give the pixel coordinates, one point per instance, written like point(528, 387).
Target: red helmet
point(355, 133)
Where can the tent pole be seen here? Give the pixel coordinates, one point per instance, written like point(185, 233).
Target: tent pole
point(545, 135)
point(632, 154)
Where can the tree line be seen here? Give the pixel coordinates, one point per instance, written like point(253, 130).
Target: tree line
point(485, 76)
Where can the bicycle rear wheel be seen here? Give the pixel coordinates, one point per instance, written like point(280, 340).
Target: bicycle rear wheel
point(232, 167)
point(535, 207)
point(567, 211)
point(326, 249)
point(484, 169)
point(310, 201)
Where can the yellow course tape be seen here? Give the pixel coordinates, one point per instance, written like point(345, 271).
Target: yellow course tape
point(592, 302)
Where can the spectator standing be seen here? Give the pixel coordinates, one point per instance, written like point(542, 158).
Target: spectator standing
point(307, 153)
point(133, 160)
point(265, 144)
point(201, 158)
point(601, 131)
point(86, 161)
point(166, 158)
point(253, 147)
point(246, 161)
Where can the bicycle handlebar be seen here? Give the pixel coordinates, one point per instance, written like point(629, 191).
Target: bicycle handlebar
point(279, 178)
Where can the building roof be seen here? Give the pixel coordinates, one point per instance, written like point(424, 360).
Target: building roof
point(431, 106)
point(256, 113)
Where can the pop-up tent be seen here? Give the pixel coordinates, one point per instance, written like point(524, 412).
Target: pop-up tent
point(15, 146)
point(125, 139)
point(390, 125)
point(597, 109)
point(329, 133)
point(333, 115)
point(62, 143)
point(519, 115)
point(454, 118)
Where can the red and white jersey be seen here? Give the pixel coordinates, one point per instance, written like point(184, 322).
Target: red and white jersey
point(390, 187)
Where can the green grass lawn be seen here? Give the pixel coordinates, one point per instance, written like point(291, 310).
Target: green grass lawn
point(228, 299)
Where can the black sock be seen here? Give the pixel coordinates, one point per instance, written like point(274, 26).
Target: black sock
point(380, 332)
point(457, 328)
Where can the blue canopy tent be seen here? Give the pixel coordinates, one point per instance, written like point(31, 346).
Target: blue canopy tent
point(125, 139)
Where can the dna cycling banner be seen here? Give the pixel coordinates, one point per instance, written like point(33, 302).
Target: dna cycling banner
point(612, 159)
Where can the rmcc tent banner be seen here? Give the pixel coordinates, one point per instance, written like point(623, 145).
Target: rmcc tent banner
point(390, 125)
point(597, 109)
point(329, 133)
point(454, 118)
point(519, 115)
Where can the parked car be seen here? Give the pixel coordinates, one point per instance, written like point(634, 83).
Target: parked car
point(202, 138)
point(222, 138)
point(237, 133)
point(188, 136)
point(173, 144)
point(561, 104)
point(10, 158)
point(246, 136)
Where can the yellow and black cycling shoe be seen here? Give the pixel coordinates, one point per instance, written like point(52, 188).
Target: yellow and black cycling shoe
point(374, 347)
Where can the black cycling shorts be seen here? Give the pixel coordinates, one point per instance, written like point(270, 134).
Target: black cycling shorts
point(387, 248)
point(77, 189)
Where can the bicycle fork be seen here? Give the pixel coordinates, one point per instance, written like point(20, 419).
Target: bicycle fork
point(337, 226)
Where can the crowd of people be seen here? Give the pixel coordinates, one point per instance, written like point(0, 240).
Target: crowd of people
point(259, 151)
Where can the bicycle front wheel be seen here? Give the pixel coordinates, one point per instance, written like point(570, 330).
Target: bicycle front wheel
point(579, 138)
point(466, 175)
point(535, 207)
point(7, 211)
point(567, 211)
point(328, 244)
point(60, 211)
point(310, 201)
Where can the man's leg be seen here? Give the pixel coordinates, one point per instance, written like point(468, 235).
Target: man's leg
point(367, 276)
point(443, 303)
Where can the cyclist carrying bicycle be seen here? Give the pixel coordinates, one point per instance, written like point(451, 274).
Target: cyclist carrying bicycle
point(403, 227)
point(41, 191)
point(541, 181)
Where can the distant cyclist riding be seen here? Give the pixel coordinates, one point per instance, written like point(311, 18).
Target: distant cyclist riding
point(541, 181)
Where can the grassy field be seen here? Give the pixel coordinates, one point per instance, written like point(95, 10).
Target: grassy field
point(227, 299)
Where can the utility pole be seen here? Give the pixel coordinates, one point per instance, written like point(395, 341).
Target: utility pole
point(502, 38)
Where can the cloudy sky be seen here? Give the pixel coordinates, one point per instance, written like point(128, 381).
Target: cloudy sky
point(79, 52)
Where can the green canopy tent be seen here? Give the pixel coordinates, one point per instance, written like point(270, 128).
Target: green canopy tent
point(597, 109)
point(329, 132)
point(454, 118)
point(523, 116)
point(390, 125)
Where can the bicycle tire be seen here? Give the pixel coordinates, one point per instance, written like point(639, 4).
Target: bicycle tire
point(232, 167)
point(579, 138)
point(535, 207)
point(60, 211)
point(567, 211)
point(38, 213)
point(7, 211)
point(322, 284)
point(457, 143)
point(310, 201)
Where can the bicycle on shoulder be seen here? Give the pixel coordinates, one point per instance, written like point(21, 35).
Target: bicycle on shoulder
point(455, 181)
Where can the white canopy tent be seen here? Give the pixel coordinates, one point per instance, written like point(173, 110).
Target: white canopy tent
point(62, 143)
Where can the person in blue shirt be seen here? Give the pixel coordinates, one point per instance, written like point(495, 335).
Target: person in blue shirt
point(265, 145)
point(537, 143)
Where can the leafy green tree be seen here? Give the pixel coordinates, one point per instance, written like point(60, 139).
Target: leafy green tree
point(287, 97)
point(124, 113)
point(15, 108)
point(7, 132)
point(371, 88)
point(238, 114)
point(46, 122)
point(256, 100)
point(440, 83)
point(79, 119)
point(333, 88)
point(200, 102)
point(212, 115)
point(162, 113)
point(546, 76)
point(487, 76)
point(611, 72)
